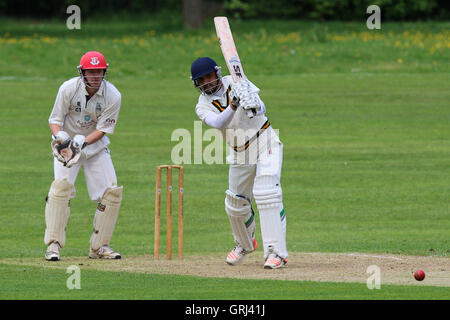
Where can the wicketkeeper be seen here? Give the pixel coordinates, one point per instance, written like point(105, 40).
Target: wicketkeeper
point(86, 109)
point(255, 160)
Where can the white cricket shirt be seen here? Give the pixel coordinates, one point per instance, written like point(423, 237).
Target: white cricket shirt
point(241, 132)
point(76, 113)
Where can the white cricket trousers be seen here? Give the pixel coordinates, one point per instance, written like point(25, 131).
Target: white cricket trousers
point(261, 181)
point(98, 171)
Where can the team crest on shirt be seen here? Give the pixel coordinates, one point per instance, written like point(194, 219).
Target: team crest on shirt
point(95, 61)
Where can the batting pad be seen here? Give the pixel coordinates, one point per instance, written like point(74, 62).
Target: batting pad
point(242, 219)
point(57, 211)
point(105, 217)
point(268, 198)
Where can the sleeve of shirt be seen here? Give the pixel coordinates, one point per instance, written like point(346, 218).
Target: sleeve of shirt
point(202, 110)
point(108, 119)
point(212, 118)
point(221, 120)
point(60, 108)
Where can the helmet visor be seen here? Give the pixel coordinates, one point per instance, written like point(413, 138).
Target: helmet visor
point(210, 87)
point(93, 77)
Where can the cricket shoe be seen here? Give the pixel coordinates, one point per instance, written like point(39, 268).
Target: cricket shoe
point(238, 254)
point(274, 261)
point(104, 252)
point(52, 253)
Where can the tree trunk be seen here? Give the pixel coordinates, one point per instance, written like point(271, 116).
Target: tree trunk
point(192, 14)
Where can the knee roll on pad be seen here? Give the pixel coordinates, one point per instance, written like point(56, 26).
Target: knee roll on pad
point(242, 219)
point(267, 190)
point(105, 217)
point(237, 205)
point(57, 211)
point(60, 188)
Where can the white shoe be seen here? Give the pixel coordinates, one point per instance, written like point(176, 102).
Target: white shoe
point(52, 253)
point(104, 252)
point(274, 261)
point(238, 254)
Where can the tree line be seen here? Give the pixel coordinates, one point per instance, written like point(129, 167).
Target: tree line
point(344, 10)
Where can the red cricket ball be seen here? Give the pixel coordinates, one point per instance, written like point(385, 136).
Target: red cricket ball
point(419, 275)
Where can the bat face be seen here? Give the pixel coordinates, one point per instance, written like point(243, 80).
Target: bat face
point(228, 47)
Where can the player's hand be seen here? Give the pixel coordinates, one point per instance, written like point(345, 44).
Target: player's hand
point(240, 89)
point(251, 104)
point(239, 92)
point(235, 100)
point(60, 146)
point(75, 147)
point(242, 95)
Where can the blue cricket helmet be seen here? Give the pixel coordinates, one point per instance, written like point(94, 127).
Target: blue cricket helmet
point(203, 66)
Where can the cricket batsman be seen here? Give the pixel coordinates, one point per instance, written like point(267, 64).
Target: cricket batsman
point(86, 109)
point(255, 159)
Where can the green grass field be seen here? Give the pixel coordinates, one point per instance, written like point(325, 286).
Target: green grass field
point(26, 283)
point(363, 116)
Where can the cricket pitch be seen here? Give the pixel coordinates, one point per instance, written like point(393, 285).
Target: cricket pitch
point(328, 267)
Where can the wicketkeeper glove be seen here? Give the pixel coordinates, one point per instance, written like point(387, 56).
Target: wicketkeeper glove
point(76, 145)
point(60, 142)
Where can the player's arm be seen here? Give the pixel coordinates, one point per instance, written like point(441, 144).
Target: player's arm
point(94, 136)
point(210, 118)
point(220, 120)
point(91, 138)
point(78, 143)
point(107, 121)
point(55, 128)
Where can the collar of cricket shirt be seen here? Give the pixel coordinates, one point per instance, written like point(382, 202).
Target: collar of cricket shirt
point(218, 94)
point(99, 91)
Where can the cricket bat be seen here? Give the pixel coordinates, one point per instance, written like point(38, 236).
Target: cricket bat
point(229, 52)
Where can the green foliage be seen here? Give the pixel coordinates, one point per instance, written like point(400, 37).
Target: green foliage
point(99, 8)
point(344, 10)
